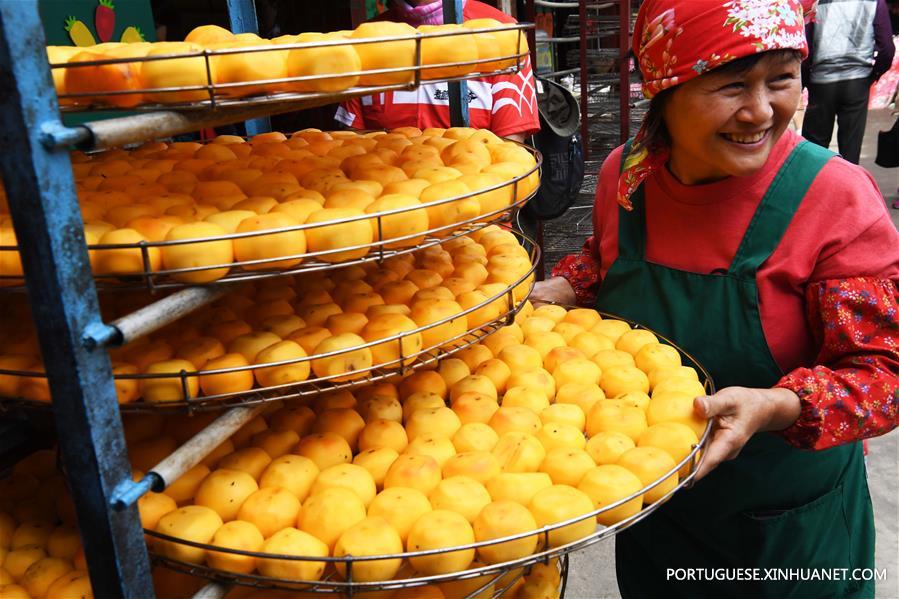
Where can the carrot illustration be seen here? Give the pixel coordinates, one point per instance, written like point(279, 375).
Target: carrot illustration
point(104, 20)
point(79, 33)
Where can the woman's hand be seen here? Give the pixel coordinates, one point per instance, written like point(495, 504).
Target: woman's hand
point(738, 414)
point(554, 289)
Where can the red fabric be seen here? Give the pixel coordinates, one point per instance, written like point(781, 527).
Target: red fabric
point(841, 231)
point(883, 89)
point(582, 272)
point(678, 40)
point(505, 104)
point(853, 392)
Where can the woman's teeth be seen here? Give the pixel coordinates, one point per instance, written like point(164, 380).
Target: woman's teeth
point(745, 138)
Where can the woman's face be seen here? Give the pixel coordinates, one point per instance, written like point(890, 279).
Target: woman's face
point(726, 124)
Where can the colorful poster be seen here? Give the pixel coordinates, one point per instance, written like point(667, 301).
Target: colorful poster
point(89, 22)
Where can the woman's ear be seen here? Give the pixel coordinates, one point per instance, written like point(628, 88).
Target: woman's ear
point(655, 130)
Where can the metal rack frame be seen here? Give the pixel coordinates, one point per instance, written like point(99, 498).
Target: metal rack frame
point(622, 77)
point(220, 589)
point(243, 20)
point(73, 337)
point(458, 91)
point(45, 212)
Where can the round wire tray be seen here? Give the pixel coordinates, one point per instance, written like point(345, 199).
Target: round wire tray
point(333, 583)
point(376, 251)
point(221, 95)
point(377, 372)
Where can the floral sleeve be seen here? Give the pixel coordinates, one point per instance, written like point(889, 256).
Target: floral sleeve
point(582, 272)
point(853, 393)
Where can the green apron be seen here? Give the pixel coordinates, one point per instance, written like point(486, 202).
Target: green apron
point(774, 506)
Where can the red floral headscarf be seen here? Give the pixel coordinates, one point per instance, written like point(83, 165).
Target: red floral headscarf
point(678, 40)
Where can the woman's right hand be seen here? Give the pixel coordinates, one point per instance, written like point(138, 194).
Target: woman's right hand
point(554, 289)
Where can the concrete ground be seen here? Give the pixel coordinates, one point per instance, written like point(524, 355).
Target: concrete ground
point(592, 572)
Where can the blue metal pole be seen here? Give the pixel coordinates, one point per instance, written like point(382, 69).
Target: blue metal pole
point(243, 20)
point(47, 221)
point(458, 90)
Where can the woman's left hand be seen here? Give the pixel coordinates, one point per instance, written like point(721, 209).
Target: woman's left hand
point(739, 413)
point(554, 289)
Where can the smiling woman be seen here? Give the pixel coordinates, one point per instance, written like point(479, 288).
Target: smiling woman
point(726, 123)
point(776, 265)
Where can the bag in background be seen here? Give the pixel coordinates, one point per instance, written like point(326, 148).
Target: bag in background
point(888, 147)
point(563, 154)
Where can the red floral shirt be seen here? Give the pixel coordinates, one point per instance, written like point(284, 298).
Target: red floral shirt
point(853, 391)
point(582, 272)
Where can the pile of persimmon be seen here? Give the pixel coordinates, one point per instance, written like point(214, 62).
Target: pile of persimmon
point(195, 194)
point(551, 418)
point(291, 320)
point(247, 65)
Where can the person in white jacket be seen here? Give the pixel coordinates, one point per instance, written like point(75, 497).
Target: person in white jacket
point(850, 47)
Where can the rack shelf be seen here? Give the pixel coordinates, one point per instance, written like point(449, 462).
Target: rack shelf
point(225, 94)
point(426, 356)
point(241, 271)
point(220, 107)
point(491, 574)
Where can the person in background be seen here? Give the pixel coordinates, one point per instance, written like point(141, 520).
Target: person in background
point(850, 47)
point(504, 104)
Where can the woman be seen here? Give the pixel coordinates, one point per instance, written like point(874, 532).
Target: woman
point(776, 265)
